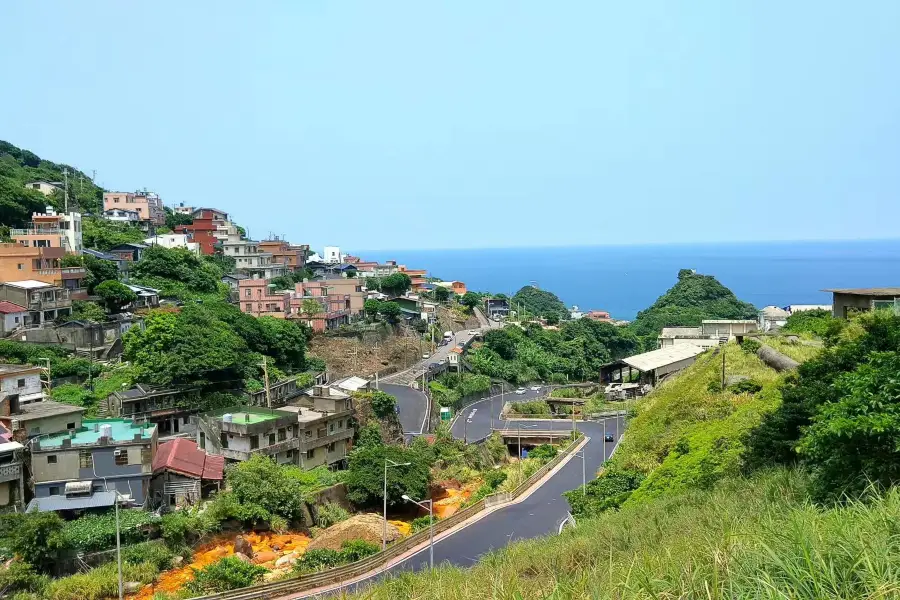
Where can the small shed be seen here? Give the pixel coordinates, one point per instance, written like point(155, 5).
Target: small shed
point(653, 366)
point(183, 473)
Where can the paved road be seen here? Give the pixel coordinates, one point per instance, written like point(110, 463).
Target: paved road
point(474, 421)
point(413, 406)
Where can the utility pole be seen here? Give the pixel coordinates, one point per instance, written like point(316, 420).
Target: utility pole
point(266, 380)
point(723, 369)
point(66, 190)
point(48, 382)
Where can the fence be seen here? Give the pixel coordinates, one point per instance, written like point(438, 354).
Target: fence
point(303, 583)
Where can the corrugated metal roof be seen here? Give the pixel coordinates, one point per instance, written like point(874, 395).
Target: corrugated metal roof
point(10, 308)
point(96, 500)
point(183, 456)
point(880, 291)
point(662, 357)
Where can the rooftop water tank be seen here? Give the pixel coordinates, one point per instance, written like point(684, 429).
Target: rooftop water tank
point(227, 418)
point(106, 431)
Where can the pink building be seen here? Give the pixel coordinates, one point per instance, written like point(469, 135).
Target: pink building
point(258, 298)
point(146, 204)
point(334, 306)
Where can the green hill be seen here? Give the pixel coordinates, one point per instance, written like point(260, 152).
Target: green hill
point(694, 298)
point(541, 302)
point(19, 166)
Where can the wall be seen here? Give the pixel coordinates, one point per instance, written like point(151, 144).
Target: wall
point(10, 384)
point(51, 424)
point(844, 303)
point(132, 478)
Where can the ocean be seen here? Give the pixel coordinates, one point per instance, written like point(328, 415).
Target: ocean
point(626, 279)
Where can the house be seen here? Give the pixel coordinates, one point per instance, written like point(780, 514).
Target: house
point(209, 213)
point(653, 366)
point(457, 287)
point(45, 187)
point(121, 215)
point(103, 340)
point(44, 302)
point(207, 228)
point(42, 264)
point(147, 297)
point(174, 240)
point(417, 279)
point(325, 439)
point(496, 308)
point(70, 468)
point(148, 205)
point(332, 255)
point(183, 474)
point(169, 409)
point(181, 209)
point(121, 264)
point(129, 252)
point(51, 230)
point(12, 476)
point(347, 287)
point(846, 301)
point(291, 256)
point(43, 417)
point(598, 315)
point(258, 297)
point(22, 382)
point(12, 317)
point(239, 432)
point(250, 259)
point(772, 318)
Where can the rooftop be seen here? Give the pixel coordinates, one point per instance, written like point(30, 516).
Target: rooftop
point(304, 415)
point(879, 291)
point(352, 384)
point(735, 321)
point(46, 408)
point(774, 311)
point(662, 357)
point(123, 430)
point(6, 369)
point(9, 308)
point(60, 502)
point(28, 284)
point(183, 456)
point(680, 332)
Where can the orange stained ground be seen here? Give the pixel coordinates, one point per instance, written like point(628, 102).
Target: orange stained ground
point(174, 579)
point(451, 499)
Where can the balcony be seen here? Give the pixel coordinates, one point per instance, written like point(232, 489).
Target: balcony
point(10, 472)
point(318, 442)
point(272, 450)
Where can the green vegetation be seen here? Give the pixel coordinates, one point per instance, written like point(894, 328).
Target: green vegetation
point(694, 298)
point(114, 295)
point(322, 559)
point(365, 475)
point(62, 362)
point(100, 234)
point(817, 322)
point(532, 407)
point(101, 583)
point(98, 270)
point(19, 166)
point(576, 350)
point(93, 532)
point(229, 573)
point(797, 350)
point(179, 273)
point(540, 302)
point(329, 513)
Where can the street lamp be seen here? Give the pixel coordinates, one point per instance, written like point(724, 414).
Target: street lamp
point(430, 526)
point(384, 524)
point(580, 453)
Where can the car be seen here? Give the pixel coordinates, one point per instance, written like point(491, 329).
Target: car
point(609, 438)
point(520, 391)
point(425, 356)
point(535, 388)
point(473, 332)
point(434, 365)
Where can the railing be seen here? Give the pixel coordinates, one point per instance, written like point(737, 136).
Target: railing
point(10, 472)
point(275, 448)
point(301, 583)
point(313, 442)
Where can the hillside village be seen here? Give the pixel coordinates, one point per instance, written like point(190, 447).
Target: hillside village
point(187, 411)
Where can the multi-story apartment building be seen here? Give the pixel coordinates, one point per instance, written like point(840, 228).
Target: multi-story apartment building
point(208, 228)
point(181, 209)
point(239, 432)
point(258, 297)
point(291, 256)
point(324, 414)
point(44, 302)
point(174, 240)
point(51, 230)
point(43, 264)
point(121, 215)
point(147, 204)
point(250, 259)
point(416, 277)
point(345, 287)
point(100, 456)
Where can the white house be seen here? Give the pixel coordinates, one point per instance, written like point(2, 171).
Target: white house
point(12, 316)
point(332, 254)
point(122, 215)
point(174, 240)
point(23, 381)
point(44, 187)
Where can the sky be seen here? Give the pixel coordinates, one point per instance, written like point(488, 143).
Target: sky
point(469, 124)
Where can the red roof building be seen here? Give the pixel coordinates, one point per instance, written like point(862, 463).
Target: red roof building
point(183, 473)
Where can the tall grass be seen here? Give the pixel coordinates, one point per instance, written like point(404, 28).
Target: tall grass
point(748, 539)
point(798, 351)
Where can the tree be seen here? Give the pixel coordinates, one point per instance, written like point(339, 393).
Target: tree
point(552, 319)
point(540, 302)
point(174, 219)
point(441, 294)
point(390, 311)
point(365, 475)
point(383, 404)
point(103, 234)
point(177, 270)
point(310, 308)
point(226, 264)
point(369, 435)
point(371, 307)
point(285, 341)
point(98, 270)
point(115, 296)
point(396, 284)
point(470, 299)
point(37, 537)
point(83, 310)
point(265, 489)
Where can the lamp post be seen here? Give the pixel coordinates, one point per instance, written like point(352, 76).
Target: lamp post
point(387, 463)
point(430, 526)
point(580, 453)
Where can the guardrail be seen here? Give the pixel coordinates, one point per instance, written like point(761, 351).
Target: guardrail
point(301, 583)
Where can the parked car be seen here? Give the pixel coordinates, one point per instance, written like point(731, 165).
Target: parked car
point(473, 332)
point(609, 438)
point(425, 356)
point(535, 388)
point(434, 365)
point(520, 391)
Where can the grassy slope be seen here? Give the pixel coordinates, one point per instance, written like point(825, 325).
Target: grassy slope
point(799, 352)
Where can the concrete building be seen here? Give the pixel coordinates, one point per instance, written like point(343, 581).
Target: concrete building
point(496, 307)
point(207, 229)
point(12, 317)
point(250, 259)
point(292, 257)
point(727, 328)
point(204, 212)
point(183, 474)
point(457, 287)
point(121, 215)
point(147, 297)
point(711, 333)
point(417, 279)
point(130, 252)
point(239, 432)
point(103, 340)
point(51, 230)
point(846, 301)
point(653, 366)
point(258, 297)
point(12, 476)
point(174, 240)
point(337, 300)
point(45, 187)
point(68, 465)
point(44, 302)
point(22, 382)
point(181, 209)
point(43, 264)
point(147, 204)
point(325, 439)
point(772, 318)
point(169, 409)
point(332, 255)
point(26, 421)
point(351, 288)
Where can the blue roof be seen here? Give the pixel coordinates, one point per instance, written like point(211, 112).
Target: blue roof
point(99, 254)
point(60, 502)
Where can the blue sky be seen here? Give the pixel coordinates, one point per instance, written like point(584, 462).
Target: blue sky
point(376, 125)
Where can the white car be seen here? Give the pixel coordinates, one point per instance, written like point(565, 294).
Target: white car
point(520, 391)
point(535, 388)
point(473, 332)
point(425, 356)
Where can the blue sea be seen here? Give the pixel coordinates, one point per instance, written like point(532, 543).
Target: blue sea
point(626, 279)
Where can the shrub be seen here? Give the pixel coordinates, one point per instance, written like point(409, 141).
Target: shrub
point(746, 386)
point(229, 573)
point(22, 577)
point(354, 550)
point(420, 523)
point(153, 552)
point(750, 346)
point(544, 452)
point(534, 407)
point(91, 533)
point(494, 478)
point(38, 538)
point(182, 527)
point(318, 559)
point(608, 491)
point(330, 513)
point(100, 583)
point(383, 405)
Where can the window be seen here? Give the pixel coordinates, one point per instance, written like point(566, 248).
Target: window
point(282, 434)
point(254, 442)
point(35, 430)
point(20, 383)
point(85, 459)
point(121, 456)
point(70, 425)
point(248, 307)
point(331, 427)
point(16, 319)
point(271, 439)
point(331, 447)
point(54, 490)
point(224, 440)
point(247, 293)
point(309, 433)
point(310, 454)
point(146, 456)
point(341, 424)
point(20, 266)
point(51, 459)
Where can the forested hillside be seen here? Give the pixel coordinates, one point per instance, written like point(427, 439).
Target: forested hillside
point(541, 302)
point(19, 166)
point(695, 297)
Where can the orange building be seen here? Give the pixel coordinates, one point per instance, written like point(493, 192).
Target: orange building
point(416, 276)
point(19, 262)
point(293, 257)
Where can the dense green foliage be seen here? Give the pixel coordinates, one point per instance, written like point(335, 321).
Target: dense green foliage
point(540, 302)
point(229, 573)
point(101, 234)
point(93, 532)
point(604, 493)
point(19, 166)
point(395, 284)
point(114, 295)
point(839, 416)
point(98, 270)
point(365, 475)
point(321, 559)
point(178, 273)
point(817, 322)
point(382, 404)
point(691, 300)
point(62, 362)
point(37, 537)
point(101, 583)
point(576, 350)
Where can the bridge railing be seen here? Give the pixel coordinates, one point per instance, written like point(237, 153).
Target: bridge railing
point(332, 577)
